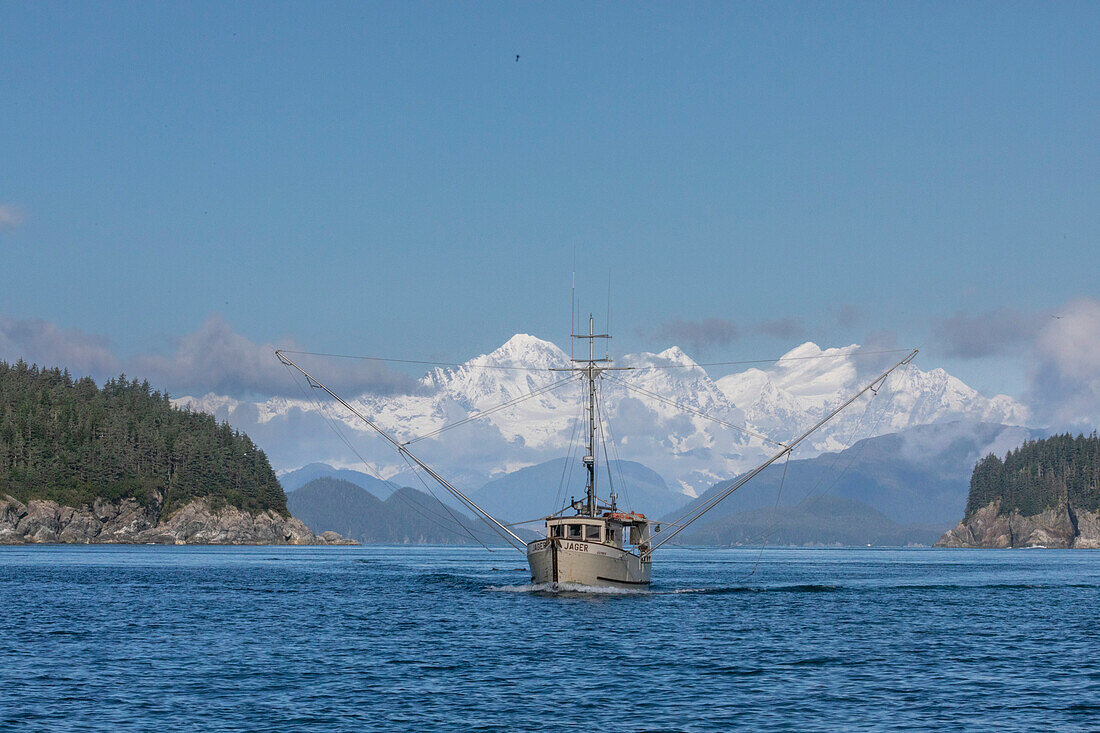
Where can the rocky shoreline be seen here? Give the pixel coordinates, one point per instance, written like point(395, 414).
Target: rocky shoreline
point(127, 522)
point(1063, 527)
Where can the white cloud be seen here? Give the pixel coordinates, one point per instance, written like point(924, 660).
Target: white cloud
point(213, 358)
point(988, 334)
point(10, 217)
point(47, 344)
point(709, 333)
point(699, 335)
point(1060, 348)
point(784, 328)
point(217, 359)
point(1065, 379)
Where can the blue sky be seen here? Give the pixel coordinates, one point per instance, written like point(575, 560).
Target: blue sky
point(389, 179)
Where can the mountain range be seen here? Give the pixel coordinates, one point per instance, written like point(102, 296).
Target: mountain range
point(901, 488)
point(918, 479)
point(406, 516)
point(654, 412)
point(816, 520)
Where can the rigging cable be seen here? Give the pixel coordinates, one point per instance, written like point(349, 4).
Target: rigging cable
point(775, 508)
point(855, 455)
point(416, 472)
point(394, 489)
point(569, 456)
point(693, 365)
point(485, 413)
point(836, 457)
point(739, 482)
point(693, 411)
point(603, 442)
point(466, 365)
point(618, 460)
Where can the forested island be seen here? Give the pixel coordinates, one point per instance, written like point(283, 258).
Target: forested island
point(1045, 493)
point(80, 463)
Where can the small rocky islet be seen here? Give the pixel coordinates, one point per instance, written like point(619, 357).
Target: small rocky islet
point(127, 522)
point(1046, 493)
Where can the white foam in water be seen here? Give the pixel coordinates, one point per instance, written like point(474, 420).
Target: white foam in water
point(528, 588)
point(566, 588)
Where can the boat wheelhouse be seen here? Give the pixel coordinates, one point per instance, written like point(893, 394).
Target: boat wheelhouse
point(607, 550)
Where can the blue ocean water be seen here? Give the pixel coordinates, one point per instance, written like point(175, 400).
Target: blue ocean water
point(429, 638)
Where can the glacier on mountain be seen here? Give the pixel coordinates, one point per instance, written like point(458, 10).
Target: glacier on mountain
point(779, 401)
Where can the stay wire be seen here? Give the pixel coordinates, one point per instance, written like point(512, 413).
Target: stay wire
point(849, 443)
point(603, 443)
point(836, 458)
point(618, 460)
point(567, 459)
point(467, 365)
point(394, 489)
point(855, 454)
point(485, 413)
point(693, 411)
point(416, 472)
point(775, 509)
point(779, 360)
point(571, 456)
point(417, 361)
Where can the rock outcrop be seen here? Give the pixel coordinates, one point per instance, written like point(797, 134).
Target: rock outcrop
point(128, 522)
point(1061, 527)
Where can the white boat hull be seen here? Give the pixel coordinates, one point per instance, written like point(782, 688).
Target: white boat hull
point(586, 563)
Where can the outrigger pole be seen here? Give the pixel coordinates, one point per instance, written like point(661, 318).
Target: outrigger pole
point(787, 449)
point(466, 501)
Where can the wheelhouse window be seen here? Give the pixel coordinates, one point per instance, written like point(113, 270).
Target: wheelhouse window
point(557, 530)
point(575, 531)
point(592, 532)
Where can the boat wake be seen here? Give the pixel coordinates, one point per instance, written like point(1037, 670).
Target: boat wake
point(567, 589)
point(811, 588)
point(564, 589)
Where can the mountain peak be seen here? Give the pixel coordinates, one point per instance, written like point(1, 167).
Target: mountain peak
point(677, 355)
point(520, 340)
point(807, 349)
point(523, 349)
point(811, 350)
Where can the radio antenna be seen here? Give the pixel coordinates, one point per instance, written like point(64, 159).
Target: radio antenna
point(573, 306)
point(608, 342)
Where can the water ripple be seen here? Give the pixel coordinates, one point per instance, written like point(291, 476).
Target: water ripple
point(439, 639)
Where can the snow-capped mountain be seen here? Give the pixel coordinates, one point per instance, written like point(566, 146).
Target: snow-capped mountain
point(807, 382)
point(642, 411)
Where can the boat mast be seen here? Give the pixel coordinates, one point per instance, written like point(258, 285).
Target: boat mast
point(590, 458)
point(591, 368)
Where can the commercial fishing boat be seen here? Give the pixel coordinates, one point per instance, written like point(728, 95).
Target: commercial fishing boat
point(590, 541)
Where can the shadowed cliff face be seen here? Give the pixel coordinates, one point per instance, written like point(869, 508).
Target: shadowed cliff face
point(1062, 527)
point(127, 522)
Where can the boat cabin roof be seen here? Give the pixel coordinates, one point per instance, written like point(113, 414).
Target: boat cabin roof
point(623, 518)
point(577, 521)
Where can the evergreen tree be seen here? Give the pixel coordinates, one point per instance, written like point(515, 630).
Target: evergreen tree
point(72, 442)
point(1040, 475)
